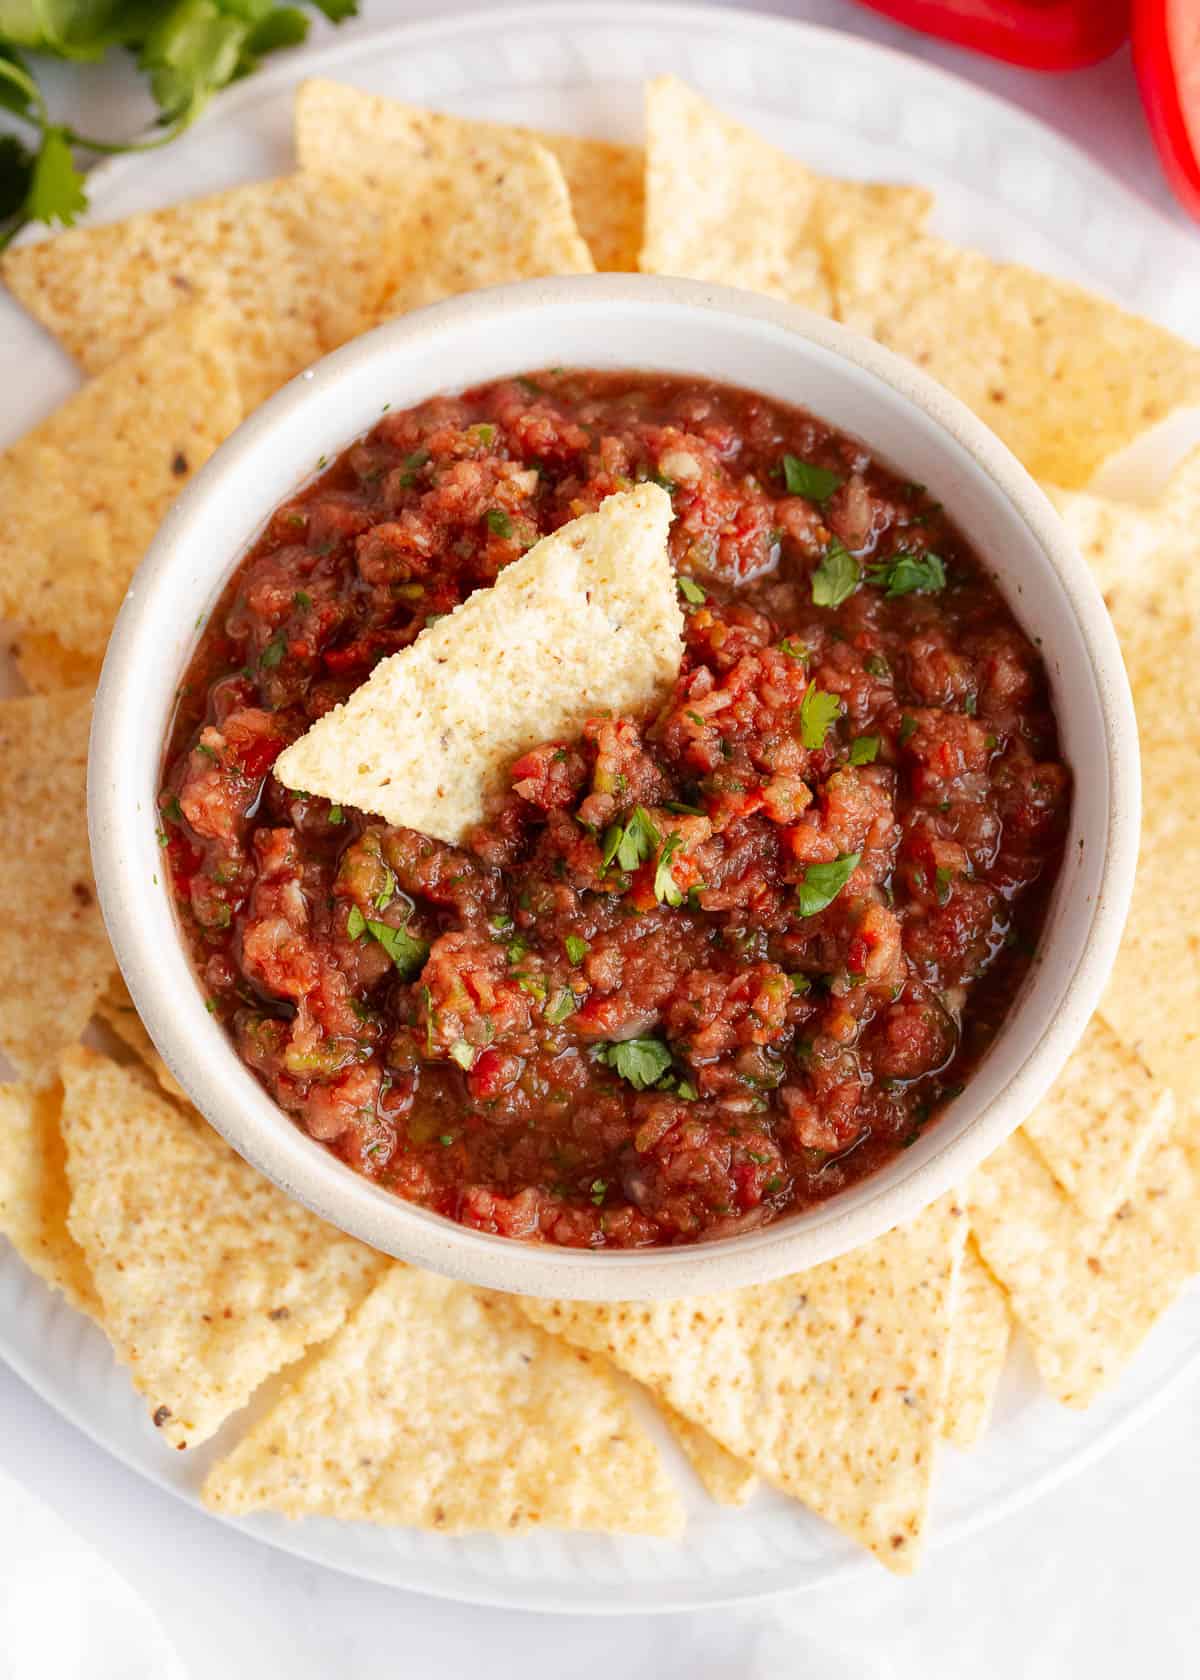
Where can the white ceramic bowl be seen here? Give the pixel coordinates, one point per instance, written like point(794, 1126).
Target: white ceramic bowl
point(611, 321)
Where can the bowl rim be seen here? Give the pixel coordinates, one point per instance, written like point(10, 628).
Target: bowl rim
point(240, 1110)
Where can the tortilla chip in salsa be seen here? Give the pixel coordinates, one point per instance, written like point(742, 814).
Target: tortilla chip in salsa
point(586, 619)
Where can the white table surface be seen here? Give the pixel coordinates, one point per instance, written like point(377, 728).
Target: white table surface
point(1097, 1579)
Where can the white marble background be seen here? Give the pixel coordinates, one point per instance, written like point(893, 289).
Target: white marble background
point(1097, 1579)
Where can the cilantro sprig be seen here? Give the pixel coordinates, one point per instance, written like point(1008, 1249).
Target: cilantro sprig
point(187, 49)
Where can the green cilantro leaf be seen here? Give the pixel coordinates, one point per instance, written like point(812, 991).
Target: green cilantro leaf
point(803, 479)
point(909, 574)
point(665, 889)
point(817, 712)
point(908, 728)
point(800, 984)
point(864, 749)
point(836, 578)
point(691, 591)
point(356, 922)
point(576, 948)
point(792, 649)
point(822, 882)
point(641, 1061)
point(407, 952)
point(273, 653)
point(498, 522)
point(631, 844)
point(56, 191)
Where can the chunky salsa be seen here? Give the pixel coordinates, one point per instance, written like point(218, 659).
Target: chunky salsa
point(695, 970)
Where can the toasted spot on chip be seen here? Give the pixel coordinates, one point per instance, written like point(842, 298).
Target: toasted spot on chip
point(1063, 376)
point(304, 263)
point(48, 667)
point(83, 493)
point(726, 1479)
point(192, 1252)
point(587, 621)
point(1085, 1291)
point(55, 958)
point(34, 1194)
point(980, 1332)
point(473, 204)
point(1147, 563)
point(722, 204)
point(1104, 1112)
point(830, 1383)
point(441, 1407)
point(342, 130)
point(116, 1009)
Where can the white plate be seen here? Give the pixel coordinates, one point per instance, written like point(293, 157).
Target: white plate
point(1004, 183)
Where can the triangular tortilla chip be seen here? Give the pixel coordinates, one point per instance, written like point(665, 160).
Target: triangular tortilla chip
point(1086, 1292)
point(341, 130)
point(34, 1194)
point(1147, 563)
point(116, 1010)
point(475, 204)
point(210, 1278)
point(830, 1383)
point(305, 264)
point(723, 204)
point(1065, 377)
point(82, 495)
point(587, 621)
point(726, 1479)
point(1102, 1115)
point(979, 1336)
point(55, 958)
point(441, 1407)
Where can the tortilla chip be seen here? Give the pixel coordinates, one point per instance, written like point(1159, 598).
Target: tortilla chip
point(33, 1192)
point(722, 204)
point(726, 1479)
point(343, 131)
point(1065, 377)
point(440, 1407)
point(475, 204)
point(116, 1009)
point(1147, 563)
point(210, 1278)
point(1086, 1292)
point(305, 264)
point(586, 622)
point(48, 667)
point(54, 956)
point(1102, 1116)
point(830, 1383)
point(979, 1336)
point(82, 495)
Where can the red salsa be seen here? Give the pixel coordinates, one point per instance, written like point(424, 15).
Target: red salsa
point(695, 970)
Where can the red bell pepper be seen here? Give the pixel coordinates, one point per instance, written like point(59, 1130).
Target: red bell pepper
point(1166, 56)
point(1040, 34)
